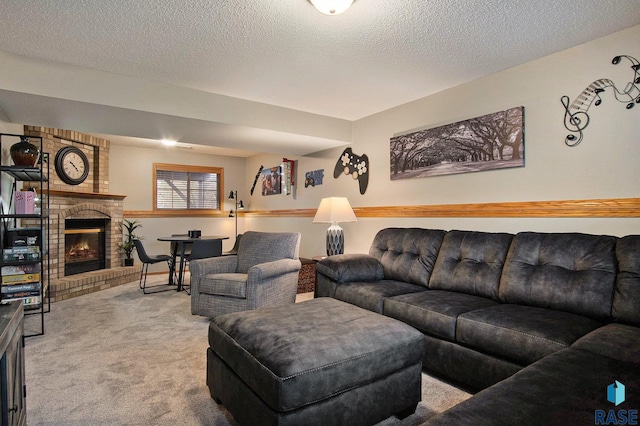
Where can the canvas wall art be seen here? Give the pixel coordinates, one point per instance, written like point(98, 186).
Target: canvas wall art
point(492, 141)
point(272, 181)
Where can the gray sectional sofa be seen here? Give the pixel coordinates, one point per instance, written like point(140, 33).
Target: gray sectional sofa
point(540, 323)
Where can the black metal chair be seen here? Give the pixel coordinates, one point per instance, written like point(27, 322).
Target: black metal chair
point(202, 249)
point(151, 260)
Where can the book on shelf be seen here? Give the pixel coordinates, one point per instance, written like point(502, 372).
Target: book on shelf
point(21, 250)
point(21, 254)
point(17, 288)
point(32, 301)
point(20, 278)
point(18, 274)
point(21, 269)
point(20, 295)
point(28, 302)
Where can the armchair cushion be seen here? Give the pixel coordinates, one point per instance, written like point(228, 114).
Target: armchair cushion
point(232, 285)
point(262, 247)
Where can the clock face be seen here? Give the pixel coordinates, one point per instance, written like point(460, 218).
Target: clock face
point(72, 165)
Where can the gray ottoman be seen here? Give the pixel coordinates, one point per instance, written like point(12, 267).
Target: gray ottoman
point(320, 362)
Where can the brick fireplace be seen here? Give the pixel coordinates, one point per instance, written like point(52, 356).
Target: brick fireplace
point(90, 200)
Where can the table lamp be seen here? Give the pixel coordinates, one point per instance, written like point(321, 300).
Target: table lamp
point(334, 210)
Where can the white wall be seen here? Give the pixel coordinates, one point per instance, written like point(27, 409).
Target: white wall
point(131, 174)
point(604, 165)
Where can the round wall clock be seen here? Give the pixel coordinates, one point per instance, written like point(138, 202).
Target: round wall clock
point(72, 165)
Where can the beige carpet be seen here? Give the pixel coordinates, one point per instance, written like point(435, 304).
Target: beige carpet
point(118, 357)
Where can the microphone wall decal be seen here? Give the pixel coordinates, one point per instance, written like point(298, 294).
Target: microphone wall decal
point(576, 117)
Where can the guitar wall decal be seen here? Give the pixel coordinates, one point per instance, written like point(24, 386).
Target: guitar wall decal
point(576, 117)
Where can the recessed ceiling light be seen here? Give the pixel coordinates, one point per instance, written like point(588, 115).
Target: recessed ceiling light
point(169, 142)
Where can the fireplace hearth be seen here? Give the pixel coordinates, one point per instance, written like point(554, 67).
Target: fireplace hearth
point(84, 245)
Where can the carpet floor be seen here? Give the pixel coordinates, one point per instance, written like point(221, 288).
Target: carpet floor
point(118, 357)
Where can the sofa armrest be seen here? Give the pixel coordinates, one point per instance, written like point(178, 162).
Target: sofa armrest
point(276, 268)
point(345, 268)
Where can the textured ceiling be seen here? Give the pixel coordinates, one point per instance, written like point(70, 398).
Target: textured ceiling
point(377, 55)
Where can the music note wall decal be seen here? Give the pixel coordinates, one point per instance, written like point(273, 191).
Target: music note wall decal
point(576, 118)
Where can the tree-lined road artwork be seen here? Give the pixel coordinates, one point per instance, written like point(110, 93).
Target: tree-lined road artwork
point(459, 167)
point(492, 141)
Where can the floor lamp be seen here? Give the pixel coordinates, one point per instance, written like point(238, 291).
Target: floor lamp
point(334, 210)
point(233, 195)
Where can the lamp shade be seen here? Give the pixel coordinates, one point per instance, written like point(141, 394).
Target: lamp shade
point(334, 210)
point(331, 7)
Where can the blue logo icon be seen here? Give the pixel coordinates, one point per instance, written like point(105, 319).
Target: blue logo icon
point(615, 393)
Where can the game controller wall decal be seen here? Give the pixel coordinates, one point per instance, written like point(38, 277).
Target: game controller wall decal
point(356, 166)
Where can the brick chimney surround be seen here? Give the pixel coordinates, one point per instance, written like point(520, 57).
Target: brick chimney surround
point(89, 200)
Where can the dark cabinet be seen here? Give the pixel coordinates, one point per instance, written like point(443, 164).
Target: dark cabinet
point(13, 409)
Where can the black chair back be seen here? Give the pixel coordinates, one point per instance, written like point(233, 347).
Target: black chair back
point(206, 248)
point(142, 254)
point(175, 246)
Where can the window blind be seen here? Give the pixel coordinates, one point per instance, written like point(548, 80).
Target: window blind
point(180, 190)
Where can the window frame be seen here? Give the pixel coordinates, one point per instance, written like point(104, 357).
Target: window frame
point(189, 169)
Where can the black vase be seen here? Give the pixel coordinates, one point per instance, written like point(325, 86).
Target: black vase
point(24, 153)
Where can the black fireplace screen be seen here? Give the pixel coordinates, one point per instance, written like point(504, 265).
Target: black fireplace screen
point(84, 245)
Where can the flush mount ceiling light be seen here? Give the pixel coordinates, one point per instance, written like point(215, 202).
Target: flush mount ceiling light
point(331, 7)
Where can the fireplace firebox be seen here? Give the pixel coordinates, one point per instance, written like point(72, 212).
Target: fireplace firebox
point(84, 245)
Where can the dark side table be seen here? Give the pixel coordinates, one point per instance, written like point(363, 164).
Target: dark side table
point(307, 276)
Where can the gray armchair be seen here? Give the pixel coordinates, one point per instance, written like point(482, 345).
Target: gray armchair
point(264, 273)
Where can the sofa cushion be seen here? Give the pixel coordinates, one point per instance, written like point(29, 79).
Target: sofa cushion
point(523, 334)
point(564, 388)
point(407, 254)
point(471, 262)
point(434, 312)
point(371, 295)
point(626, 298)
point(568, 272)
point(231, 285)
point(617, 341)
